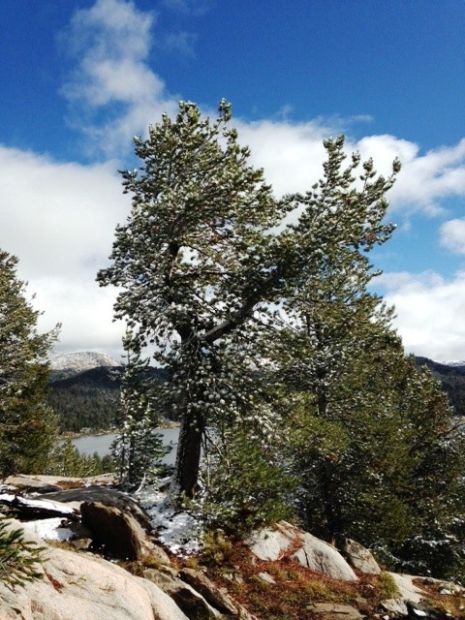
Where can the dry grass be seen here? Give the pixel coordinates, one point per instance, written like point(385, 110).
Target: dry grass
point(453, 604)
point(295, 589)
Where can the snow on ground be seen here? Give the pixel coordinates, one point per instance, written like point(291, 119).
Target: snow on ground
point(45, 504)
point(178, 531)
point(49, 529)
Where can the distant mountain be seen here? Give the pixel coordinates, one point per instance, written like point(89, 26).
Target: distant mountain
point(452, 377)
point(454, 363)
point(88, 398)
point(68, 364)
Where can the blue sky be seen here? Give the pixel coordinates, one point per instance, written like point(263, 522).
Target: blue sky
point(80, 78)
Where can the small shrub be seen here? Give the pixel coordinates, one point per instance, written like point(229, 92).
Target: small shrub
point(388, 588)
point(245, 489)
point(217, 549)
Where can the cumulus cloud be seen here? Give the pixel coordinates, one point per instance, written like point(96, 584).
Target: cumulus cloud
point(84, 311)
point(430, 311)
point(292, 155)
point(59, 219)
point(111, 43)
point(452, 235)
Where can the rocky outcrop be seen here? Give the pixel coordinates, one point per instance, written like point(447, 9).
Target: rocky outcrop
point(49, 484)
point(309, 551)
point(360, 558)
point(192, 602)
point(334, 611)
point(215, 596)
point(85, 586)
point(103, 495)
point(117, 533)
point(81, 586)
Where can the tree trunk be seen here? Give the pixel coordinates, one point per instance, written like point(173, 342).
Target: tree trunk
point(188, 453)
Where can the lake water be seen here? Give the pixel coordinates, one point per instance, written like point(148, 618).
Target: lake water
point(102, 443)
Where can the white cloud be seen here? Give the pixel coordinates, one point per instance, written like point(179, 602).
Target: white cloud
point(59, 219)
point(111, 42)
point(292, 155)
point(452, 235)
point(84, 310)
point(430, 311)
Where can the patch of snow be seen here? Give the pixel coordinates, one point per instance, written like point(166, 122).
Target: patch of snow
point(177, 530)
point(45, 504)
point(49, 529)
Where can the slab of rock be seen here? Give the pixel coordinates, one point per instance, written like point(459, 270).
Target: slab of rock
point(216, 596)
point(276, 542)
point(360, 558)
point(21, 482)
point(408, 591)
point(335, 610)
point(118, 534)
point(76, 586)
point(45, 484)
point(103, 495)
point(270, 544)
point(191, 602)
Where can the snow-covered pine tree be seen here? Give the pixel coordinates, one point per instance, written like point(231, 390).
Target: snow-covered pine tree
point(138, 448)
point(198, 265)
point(27, 424)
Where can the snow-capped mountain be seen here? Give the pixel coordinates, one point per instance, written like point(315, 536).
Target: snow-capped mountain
point(81, 360)
point(454, 363)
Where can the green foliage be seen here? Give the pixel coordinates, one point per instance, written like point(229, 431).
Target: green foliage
point(66, 460)
point(81, 406)
point(196, 263)
point(138, 450)
point(381, 463)
point(27, 424)
point(277, 354)
point(244, 486)
point(19, 559)
point(216, 548)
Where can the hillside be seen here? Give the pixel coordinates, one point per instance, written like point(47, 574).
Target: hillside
point(89, 398)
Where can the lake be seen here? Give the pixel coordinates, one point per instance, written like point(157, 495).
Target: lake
point(102, 443)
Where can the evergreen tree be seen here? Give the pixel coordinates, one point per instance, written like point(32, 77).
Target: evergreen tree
point(27, 424)
point(200, 270)
point(381, 463)
point(66, 460)
point(138, 449)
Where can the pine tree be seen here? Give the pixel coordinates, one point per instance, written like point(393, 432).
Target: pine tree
point(202, 275)
point(138, 449)
point(66, 460)
point(27, 424)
